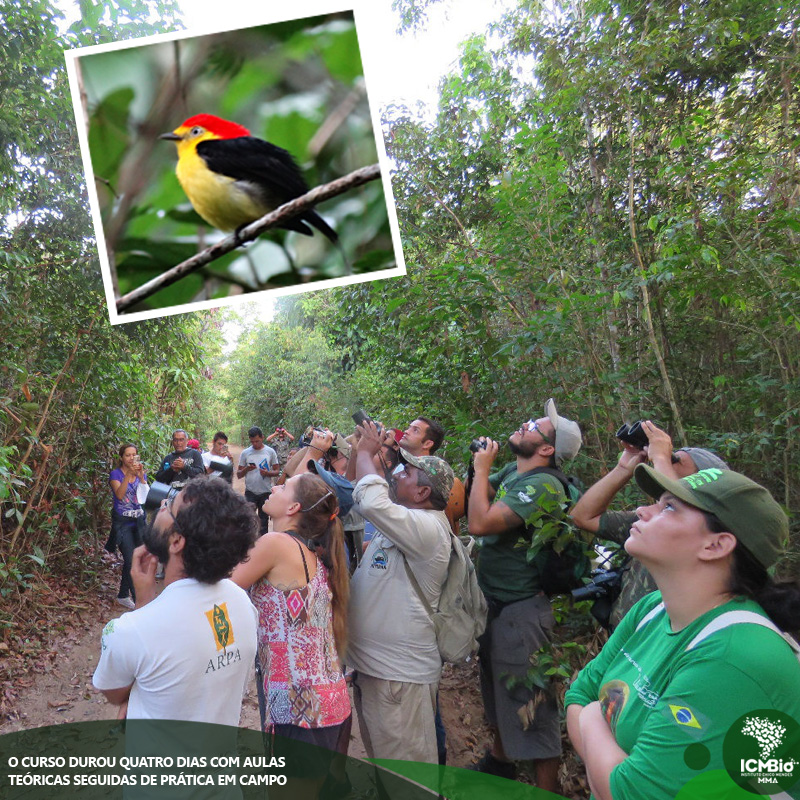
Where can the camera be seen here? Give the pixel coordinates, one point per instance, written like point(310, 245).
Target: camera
point(604, 589)
point(225, 468)
point(362, 416)
point(604, 583)
point(158, 492)
point(633, 435)
point(476, 444)
point(305, 439)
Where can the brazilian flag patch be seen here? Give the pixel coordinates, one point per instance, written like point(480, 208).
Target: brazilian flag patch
point(684, 716)
point(221, 625)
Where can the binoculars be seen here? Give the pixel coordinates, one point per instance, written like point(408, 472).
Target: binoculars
point(633, 435)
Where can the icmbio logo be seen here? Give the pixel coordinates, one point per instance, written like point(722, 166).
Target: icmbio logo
point(762, 752)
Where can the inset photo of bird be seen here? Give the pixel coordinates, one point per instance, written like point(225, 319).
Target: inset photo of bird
point(277, 180)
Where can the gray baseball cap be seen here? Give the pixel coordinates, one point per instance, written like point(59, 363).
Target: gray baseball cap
point(568, 433)
point(704, 459)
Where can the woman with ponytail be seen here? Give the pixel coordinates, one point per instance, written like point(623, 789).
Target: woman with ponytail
point(658, 712)
point(299, 582)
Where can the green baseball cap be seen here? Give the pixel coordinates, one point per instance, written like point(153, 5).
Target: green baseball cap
point(437, 469)
point(745, 508)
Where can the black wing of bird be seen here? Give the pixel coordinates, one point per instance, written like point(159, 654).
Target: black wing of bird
point(268, 169)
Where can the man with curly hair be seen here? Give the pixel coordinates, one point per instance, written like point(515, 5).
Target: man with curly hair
point(185, 654)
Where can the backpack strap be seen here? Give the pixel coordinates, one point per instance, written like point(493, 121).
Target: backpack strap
point(556, 473)
point(738, 617)
point(415, 583)
point(654, 612)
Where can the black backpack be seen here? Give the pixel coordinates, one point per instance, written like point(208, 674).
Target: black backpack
point(562, 560)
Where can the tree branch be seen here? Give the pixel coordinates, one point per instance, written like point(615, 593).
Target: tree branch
point(250, 232)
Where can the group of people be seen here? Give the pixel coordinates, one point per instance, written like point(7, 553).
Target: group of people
point(338, 590)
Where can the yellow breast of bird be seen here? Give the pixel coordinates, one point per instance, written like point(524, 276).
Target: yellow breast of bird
point(220, 200)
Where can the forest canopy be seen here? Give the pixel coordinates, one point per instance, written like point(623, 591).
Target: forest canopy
point(603, 210)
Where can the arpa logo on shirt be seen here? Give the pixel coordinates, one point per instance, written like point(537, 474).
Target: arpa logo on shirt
point(222, 629)
point(220, 624)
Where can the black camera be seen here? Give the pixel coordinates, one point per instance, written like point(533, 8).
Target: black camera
point(633, 435)
point(604, 583)
point(604, 589)
point(476, 444)
point(160, 491)
point(305, 439)
point(225, 468)
point(362, 416)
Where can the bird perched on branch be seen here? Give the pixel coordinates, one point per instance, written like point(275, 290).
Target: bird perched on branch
point(233, 178)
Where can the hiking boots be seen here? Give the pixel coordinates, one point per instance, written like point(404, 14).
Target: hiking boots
point(494, 766)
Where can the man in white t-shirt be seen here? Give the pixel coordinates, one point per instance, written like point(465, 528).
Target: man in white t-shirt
point(258, 465)
point(217, 460)
point(186, 653)
point(392, 642)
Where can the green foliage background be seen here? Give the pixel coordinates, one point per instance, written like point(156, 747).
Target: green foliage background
point(604, 210)
point(72, 387)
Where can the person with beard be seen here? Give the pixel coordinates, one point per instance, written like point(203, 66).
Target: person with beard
point(186, 654)
point(503, 509)
point(392, 643)
point(423, 437)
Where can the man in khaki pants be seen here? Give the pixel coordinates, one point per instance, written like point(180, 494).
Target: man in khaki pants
point(392, 641)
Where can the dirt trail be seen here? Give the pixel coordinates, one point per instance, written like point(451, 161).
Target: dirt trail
point(58, 688)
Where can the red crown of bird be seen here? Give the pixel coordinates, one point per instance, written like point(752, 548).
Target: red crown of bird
point(218, 126)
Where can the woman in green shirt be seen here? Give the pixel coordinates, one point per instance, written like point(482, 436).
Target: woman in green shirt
point(652, 710)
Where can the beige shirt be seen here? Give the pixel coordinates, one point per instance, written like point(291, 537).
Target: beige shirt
point(391, 634)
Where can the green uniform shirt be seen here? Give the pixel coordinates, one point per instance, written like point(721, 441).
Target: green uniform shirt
point(615, 526)
point(660, 699)
point(504, 573)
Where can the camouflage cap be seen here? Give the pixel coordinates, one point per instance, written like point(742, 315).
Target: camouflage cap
point(438, 471)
